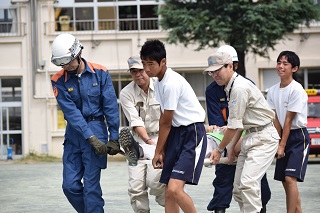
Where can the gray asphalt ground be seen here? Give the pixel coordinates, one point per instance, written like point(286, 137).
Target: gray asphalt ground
point(36, 188)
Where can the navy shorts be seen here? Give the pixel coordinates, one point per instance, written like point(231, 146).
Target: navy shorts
point(294, 163)
point(185, 150)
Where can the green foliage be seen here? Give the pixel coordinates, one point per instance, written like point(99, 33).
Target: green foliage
point(244, 24)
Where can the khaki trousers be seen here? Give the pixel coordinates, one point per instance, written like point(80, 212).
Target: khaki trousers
point(258, 150)
point(144, 180)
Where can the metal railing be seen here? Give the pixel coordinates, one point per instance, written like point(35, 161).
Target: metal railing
point(12, 29)
point(102, 25)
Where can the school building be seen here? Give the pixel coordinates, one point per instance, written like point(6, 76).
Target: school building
point(111, 31)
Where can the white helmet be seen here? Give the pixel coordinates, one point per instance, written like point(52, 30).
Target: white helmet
point(65, 48)
point(230, 50)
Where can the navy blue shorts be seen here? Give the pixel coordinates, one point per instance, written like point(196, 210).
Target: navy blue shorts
point(185, 150)
point(294, 163)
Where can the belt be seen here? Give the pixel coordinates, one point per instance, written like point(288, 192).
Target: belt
point(259, 128)
point(93, 118)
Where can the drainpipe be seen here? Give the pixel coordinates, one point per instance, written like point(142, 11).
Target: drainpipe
point(34, 42)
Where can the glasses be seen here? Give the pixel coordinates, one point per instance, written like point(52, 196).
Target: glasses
point(136, 71)
point(62, 60)
point(210, 73)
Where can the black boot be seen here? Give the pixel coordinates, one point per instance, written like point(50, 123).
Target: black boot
point(130, 146)
point(264, 209)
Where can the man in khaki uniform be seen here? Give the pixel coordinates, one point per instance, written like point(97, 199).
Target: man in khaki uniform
point(248, 110)
point(143, 113)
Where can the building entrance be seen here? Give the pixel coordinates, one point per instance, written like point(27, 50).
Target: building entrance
point(10, 118)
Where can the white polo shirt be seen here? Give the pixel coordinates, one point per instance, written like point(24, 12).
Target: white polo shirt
point(292, 98)
point(174, 93)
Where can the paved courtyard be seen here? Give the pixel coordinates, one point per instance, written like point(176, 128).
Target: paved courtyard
point(36, 188)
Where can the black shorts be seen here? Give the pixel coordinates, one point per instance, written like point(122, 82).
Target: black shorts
point(294, 163)
point(185, 152)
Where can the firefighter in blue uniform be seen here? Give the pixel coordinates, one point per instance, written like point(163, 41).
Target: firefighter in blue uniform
point(217, 109)
point(85, 94)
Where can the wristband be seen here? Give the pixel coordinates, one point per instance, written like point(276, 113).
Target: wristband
point(149, 139)
point(220, 150)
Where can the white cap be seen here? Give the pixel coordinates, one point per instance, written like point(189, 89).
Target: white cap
point(230, 50)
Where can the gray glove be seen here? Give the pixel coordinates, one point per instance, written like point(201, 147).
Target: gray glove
point(99, 147)
point(113, 147)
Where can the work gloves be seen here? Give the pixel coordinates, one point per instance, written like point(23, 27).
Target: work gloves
point(111, 148)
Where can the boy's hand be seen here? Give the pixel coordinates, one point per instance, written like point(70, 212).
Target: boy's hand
point(157, 161)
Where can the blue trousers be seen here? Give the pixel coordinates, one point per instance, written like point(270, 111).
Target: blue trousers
point(82, 171)
point(223, 185)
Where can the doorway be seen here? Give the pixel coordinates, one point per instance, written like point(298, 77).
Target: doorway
point(10, 117)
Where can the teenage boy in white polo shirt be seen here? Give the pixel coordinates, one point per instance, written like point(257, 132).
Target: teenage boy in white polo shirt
point(182, 138)
point(290, 102)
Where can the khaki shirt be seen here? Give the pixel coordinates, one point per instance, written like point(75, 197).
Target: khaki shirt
point(247, 105)
point(141, 109)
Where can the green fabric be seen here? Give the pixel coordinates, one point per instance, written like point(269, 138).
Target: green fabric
point(216, 135)
point(220, 136)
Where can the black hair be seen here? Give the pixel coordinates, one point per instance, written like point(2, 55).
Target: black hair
point(292, 58)
point(153, 50)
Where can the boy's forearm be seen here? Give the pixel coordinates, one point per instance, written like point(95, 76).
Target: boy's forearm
point(164, 129)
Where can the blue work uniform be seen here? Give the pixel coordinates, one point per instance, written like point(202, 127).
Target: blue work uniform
point(217, 109)
point(87, 101)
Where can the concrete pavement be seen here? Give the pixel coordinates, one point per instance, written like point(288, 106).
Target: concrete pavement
point(36, 188)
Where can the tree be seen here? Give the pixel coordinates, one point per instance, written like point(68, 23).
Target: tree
point(247, 25)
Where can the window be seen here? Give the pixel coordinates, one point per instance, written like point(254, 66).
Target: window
point(112, 15)
point(107, 18)
point(119, 82)
point(149, 17)
point(10, 115)
point(128, 18)
point(69, 19)
point(313, 79)
point(10, 90)
point(63, 17)
point(8, 21)
point(84, 18)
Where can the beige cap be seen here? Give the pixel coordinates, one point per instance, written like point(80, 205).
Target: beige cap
point(217, 60)
point(135, 62)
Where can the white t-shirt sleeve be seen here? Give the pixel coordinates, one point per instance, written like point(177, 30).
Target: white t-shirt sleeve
point(297, 100)
point(172, 93)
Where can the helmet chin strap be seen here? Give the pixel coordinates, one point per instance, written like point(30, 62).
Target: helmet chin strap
point(75, 71)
